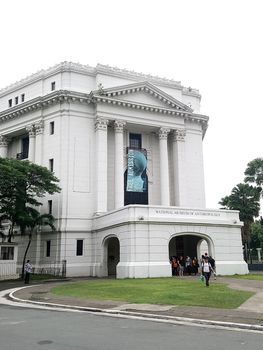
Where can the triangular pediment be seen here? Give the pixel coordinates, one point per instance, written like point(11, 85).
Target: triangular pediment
point(142, 93)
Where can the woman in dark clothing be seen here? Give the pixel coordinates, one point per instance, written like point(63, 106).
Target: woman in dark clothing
point(195, 265)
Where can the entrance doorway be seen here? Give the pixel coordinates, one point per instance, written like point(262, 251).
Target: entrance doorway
point(113, 255)
point(187, 245)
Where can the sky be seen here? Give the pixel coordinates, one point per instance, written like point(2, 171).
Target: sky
point(214, 46)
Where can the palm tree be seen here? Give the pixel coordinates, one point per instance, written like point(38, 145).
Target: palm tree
point(254, 172)
point(246, 199)
point(30, 222)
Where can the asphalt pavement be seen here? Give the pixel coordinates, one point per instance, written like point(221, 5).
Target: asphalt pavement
point(248, 316)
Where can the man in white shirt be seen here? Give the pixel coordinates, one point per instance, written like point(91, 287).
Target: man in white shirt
point(28, 271)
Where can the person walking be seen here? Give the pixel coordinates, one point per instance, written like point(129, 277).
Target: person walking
point(28, 271)
point(206, 270)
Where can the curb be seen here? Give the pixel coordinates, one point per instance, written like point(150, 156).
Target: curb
point(143, 316)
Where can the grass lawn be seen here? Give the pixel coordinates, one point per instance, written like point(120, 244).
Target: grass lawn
point(251, 276)
point(171, 291)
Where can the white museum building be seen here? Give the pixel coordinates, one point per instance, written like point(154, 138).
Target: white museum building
point(127, 148)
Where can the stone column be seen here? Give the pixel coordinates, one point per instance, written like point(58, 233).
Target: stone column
point(101, 126)
point(32, 142)
point(3, 146)
point(39, 129)
point(164, 167)
point(180, 184)
point(119, 179)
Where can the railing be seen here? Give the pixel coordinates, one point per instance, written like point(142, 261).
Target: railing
point(57, 268)
point(253, 256)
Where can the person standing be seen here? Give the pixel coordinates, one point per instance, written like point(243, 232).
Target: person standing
point(181, 266)
point(174, 266)
point(188, 265)
point(195, 265)
point(28, 271)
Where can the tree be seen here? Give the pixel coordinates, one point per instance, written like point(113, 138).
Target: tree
point(257, 234)
point(32, 220)
point(22, 185)
point(254, 172)
point(2, 234)
point(246, 199)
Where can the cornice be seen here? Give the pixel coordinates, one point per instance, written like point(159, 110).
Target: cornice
point(119, 72)
point(61, 96)
point(93, 71)
point(139, 105)
point(186, 115)
point(45, 73)
point(200, 119)
point(146, 87)
point(38, 103)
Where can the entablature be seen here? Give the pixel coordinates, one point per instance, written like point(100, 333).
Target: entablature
point(40, 102)
point(171, 107)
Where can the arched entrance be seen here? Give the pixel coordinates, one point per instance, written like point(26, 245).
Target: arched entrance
point(189, 245)
point(112, 255)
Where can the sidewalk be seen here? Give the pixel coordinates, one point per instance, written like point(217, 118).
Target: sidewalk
point(249, 313)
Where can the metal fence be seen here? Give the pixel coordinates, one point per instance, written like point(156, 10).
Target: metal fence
point(253, 256)
point(57, 268)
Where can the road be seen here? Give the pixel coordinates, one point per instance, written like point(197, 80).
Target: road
point(33, 329)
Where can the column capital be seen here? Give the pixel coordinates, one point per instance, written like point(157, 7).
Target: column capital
point(39, 127)
point(163, 133)
point(179, 135)
point(101, 124)
point(31, 130)
point(4, 140)
point(119, 125)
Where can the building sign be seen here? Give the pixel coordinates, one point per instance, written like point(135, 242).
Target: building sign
point(187, 212)
point(136, 172)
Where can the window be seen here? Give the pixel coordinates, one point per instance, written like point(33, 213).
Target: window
point(10, 103)
point(49, 203)
point(16, 100)
point(24, 148)
point(135, 141)
point(51, 128)
point(23, 98)
point(7, 253)
point(53, 86)
point(79, 250)
point(48, 247)
point(51, 165)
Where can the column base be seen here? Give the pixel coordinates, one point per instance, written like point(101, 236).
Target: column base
point(231, 268)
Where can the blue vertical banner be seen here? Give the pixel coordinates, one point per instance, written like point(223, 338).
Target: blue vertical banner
point(136, 174)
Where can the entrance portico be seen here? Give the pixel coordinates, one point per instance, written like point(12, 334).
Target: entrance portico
point(146, 232)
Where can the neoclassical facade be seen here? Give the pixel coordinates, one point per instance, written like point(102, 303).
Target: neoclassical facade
point(127, 149)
